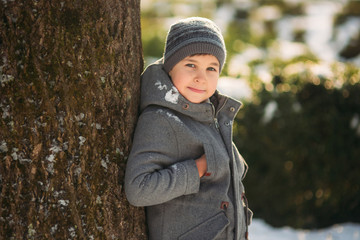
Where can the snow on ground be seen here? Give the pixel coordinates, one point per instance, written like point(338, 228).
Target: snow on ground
point(259, 230)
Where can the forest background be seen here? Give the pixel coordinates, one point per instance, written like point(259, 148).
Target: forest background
point(295, 66)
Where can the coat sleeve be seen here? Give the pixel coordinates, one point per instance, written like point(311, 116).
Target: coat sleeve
point(154, 172)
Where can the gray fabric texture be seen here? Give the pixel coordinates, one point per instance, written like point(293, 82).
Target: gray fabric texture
point(161, 173)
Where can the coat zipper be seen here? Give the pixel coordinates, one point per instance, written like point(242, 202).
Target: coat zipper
point(216, 122)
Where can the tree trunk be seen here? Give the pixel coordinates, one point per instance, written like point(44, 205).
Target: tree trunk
point(69, 94)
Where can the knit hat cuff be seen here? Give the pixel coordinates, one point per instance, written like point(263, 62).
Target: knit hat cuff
point(171, 59)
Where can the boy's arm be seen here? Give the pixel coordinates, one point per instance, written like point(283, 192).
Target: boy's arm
point(154, 174)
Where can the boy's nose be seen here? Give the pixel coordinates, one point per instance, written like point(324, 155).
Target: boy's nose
point(200, 76)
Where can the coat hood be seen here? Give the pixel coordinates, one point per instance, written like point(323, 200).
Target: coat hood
point(158, 89)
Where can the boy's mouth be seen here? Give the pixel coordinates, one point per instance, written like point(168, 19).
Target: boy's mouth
point(196, 90)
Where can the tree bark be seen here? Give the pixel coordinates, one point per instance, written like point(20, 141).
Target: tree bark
point(69, 94)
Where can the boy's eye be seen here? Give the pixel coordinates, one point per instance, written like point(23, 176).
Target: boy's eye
point(212, 69)
point(190, 65)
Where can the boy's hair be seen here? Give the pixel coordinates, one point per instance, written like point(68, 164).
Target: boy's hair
point(193, 36)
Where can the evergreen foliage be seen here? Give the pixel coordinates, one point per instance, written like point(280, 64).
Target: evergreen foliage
point(303, 160)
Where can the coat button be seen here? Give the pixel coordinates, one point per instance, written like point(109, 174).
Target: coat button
point(186, 106)
point(232, 109)
point(224, 205)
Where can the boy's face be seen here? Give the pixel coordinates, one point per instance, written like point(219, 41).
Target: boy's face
point(196, 77)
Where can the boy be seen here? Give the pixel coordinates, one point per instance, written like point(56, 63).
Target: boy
point(183, 165)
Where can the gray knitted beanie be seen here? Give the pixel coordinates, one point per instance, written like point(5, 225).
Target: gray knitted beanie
point(193, 36)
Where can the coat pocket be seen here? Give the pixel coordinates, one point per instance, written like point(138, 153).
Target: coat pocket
point(209, 229)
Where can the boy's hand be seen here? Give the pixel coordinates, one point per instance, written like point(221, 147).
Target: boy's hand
point(201, 165)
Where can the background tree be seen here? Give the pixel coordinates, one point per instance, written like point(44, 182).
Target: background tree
point(69, 75)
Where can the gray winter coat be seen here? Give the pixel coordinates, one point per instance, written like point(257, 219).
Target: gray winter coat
point(161, 173)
